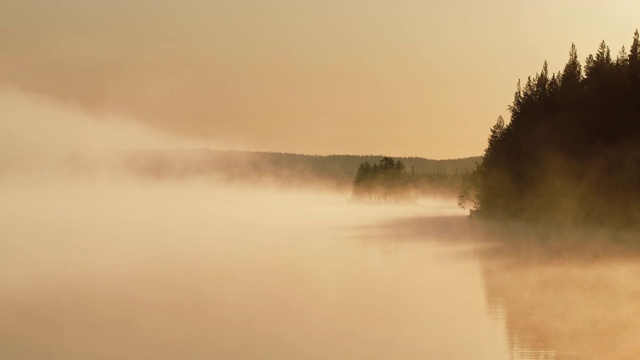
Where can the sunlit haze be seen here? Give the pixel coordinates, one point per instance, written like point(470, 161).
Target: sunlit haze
point(403, 78)
point(319, 179)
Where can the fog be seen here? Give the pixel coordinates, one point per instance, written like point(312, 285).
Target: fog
point(567, 294)
point(97, 262)
point(39, 135)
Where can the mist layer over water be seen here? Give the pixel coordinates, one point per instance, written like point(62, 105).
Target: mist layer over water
point(97, 263)
point(165, 271)
point(568, 296)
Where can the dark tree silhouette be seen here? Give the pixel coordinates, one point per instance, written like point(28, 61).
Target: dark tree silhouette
point(381, 182)
point(389, 181)
point(571, 150)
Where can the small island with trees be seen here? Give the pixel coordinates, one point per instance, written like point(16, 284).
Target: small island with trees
point(570, 153)
point(389, 181)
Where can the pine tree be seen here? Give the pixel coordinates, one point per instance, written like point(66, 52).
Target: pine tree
point(599, 65)
point(572, 73)
point(634, 61)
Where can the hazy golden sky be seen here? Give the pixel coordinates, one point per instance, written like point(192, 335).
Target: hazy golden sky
point(415, 78)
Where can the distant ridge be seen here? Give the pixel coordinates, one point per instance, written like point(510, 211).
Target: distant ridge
point(288, 169)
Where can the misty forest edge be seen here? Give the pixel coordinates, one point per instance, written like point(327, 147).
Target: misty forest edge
point(570, 152)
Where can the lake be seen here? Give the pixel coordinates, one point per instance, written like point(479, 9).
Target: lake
point(131, 270)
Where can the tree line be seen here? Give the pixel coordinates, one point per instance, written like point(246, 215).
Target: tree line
point(570, 151)
point(270, 168)
point(389, 181)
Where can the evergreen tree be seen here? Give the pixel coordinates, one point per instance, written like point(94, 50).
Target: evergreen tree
point(598, 66)
point(634, 60)
point(571, 77)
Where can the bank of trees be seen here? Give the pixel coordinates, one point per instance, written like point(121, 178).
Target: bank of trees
point(389, 181)
point(571, 150)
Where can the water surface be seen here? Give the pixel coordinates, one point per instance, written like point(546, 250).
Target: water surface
point(123, 270)
point(140, 271)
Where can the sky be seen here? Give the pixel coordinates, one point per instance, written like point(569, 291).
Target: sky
point(401, 78)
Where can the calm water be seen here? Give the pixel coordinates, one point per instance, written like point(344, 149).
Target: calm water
point(140, 271)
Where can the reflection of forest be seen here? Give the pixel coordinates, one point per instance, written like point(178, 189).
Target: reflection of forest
point(559, 306)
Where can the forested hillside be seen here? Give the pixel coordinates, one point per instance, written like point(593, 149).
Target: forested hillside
point(280, 169)
point(571, 150)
